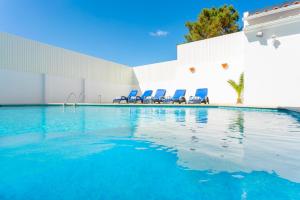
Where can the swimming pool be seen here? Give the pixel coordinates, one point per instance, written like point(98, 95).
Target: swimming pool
point(160, 153)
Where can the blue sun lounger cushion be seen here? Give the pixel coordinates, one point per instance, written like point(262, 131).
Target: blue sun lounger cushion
point(132, 95)
point(179, 97)
point(142, 98)
point(201, 96)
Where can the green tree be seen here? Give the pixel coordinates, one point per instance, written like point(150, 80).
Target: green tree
point(238, 87)
point(213, 22)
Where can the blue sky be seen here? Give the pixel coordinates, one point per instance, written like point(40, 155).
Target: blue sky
point(132, 32)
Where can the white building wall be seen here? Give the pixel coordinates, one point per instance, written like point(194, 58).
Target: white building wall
point(207, 57)
point(271, 66)
point(272, 76)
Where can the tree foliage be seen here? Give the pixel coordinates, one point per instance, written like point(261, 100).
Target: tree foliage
point(213, 22)
point(238, 87)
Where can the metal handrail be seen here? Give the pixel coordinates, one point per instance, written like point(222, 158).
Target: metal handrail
point(100, 98)
point(69, 96)
point(81, 97)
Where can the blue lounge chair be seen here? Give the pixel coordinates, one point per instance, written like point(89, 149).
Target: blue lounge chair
point(200, 97)
point(131, 95)
point(178, 97)
point(158, 97)
point(142, 98)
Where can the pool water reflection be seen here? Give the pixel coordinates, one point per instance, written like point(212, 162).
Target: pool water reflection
point(148, 153)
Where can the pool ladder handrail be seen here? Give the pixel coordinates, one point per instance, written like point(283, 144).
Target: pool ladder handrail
point(81, 97)
point(100, 98)
point(68, 98)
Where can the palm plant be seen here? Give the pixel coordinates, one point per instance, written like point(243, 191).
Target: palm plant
point(238, 87)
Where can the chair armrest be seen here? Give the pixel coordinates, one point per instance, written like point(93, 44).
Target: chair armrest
point(134, 97)
point(120, 97)
point(162, 98)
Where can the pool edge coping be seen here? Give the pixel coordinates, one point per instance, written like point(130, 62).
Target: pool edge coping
point(292, 109)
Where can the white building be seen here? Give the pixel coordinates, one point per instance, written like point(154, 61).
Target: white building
point(266, 50)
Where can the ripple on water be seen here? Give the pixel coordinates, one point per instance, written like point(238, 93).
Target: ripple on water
point(136, 153)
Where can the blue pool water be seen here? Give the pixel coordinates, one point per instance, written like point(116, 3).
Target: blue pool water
point(129, 153)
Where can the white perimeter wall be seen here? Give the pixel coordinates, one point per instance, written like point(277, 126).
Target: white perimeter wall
point(20, 87)
point(32, 88)
point(206, 57)
point(32, 72)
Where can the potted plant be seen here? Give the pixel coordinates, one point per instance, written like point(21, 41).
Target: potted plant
point(238, 87)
